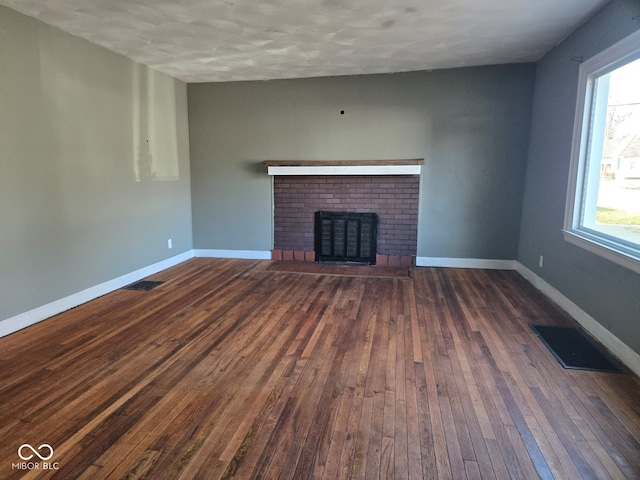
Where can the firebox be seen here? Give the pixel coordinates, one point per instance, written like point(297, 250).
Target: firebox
point(346, 237)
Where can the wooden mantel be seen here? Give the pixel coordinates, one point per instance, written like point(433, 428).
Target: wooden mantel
point(344, 167)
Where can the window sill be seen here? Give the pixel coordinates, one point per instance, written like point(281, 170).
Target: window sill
point(616, 253)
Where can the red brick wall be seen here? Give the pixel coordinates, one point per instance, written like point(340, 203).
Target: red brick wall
point(393, 198)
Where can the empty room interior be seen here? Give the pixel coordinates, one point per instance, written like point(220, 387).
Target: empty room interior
point(339, 239)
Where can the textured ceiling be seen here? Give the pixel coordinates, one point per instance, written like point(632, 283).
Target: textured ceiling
point(217, 40)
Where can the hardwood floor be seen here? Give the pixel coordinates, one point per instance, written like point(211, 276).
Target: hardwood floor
point(231, 370)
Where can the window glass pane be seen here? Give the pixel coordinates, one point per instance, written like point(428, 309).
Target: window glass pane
point(611, 203)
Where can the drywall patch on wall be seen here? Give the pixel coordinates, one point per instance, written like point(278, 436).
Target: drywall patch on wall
point(73, 214)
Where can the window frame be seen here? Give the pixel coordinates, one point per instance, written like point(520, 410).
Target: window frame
point(610, 247)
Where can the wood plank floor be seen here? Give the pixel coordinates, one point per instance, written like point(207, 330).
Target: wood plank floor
point(230, 370)
point(349, 269)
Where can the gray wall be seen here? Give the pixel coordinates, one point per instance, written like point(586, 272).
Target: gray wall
point(607, 292)
point(470, 125)
point(77, 205)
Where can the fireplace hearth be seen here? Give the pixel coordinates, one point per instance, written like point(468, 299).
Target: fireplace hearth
point(389, 189)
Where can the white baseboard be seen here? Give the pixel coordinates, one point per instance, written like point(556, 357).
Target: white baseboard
point(616, 346)
point(489, 264)
point(13, 324)
point(245, 254)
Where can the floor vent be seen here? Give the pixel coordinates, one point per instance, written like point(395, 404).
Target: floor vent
point(346, 237)
point(143, 285)
point(572, 349)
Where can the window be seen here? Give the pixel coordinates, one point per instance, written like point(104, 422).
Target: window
point(603, 200)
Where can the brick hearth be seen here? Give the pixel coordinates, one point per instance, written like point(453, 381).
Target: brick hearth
point(393, 198)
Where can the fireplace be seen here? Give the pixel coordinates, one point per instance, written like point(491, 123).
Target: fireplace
point(346, 237)
point(388, 189)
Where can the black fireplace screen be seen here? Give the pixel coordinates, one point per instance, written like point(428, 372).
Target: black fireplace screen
point(346, 237)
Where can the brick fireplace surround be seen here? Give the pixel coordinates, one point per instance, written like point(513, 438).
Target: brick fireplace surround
point(393, 197)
